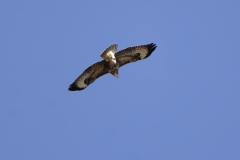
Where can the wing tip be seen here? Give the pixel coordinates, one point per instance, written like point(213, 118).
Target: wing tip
point(74, 87)
point(151, 47)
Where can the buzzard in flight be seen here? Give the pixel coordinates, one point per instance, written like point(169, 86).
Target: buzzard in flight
point(111, 62)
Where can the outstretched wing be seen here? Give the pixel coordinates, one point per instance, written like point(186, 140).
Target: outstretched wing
point(109, 52)
point(132, 54)
point(89, 76)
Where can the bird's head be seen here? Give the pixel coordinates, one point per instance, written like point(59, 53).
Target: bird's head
point(115, 72)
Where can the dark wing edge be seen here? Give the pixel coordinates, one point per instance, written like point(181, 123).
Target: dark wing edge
point(151, 47)
point(88, 76)
point(74, 87)
point(132, 54)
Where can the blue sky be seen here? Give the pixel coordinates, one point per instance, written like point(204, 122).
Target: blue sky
point(180, 103)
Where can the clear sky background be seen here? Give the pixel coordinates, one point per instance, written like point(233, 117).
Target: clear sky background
point(180, 103)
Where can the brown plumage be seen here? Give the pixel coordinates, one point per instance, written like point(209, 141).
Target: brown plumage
point(111, 63)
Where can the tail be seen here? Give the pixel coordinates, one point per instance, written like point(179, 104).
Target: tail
point(111, 50)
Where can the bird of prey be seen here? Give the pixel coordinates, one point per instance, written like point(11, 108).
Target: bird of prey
point(111, 62)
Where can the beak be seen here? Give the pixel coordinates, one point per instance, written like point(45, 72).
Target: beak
point(114, 73)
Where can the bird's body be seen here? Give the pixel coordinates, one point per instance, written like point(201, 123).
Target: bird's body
point(111, 63)
point(110, 60)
